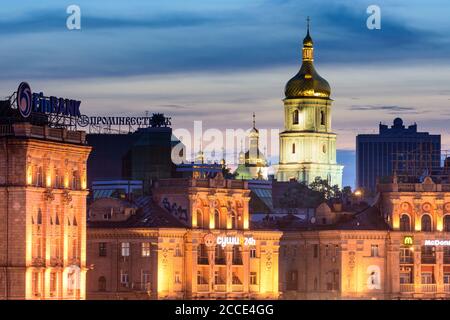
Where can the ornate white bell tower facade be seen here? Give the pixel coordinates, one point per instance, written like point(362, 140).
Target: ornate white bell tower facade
point(307, 144)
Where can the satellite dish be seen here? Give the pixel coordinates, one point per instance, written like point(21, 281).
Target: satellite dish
point(313, 220)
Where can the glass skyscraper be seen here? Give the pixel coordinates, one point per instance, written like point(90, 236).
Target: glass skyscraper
point(403, 150)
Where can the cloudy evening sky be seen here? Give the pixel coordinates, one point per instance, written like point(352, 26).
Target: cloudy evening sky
point(218, 61)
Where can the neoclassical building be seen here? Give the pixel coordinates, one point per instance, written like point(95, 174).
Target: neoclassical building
point(43, 212)
point(307, 144)
point(397, 249)
point(191, 240)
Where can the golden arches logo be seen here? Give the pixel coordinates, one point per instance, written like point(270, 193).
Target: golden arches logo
point(408, 241)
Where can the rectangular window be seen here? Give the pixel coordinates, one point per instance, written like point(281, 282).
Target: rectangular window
point(52, 283)
point(252, 252)
point(177, 277)
point(200, 278)
point(292, 280)
point(447, 278)
point(102, 249)
point(316, 250)
point(125, 249)
point(427, 278)
point(145, 249)
point(36, 284)
point(124, 278)
point(145, 280)
point(177, 251)
point(374, 250)
point(253, 278)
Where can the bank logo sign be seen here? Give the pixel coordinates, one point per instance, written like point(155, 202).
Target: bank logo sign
point(24, 99)
point(28, 102)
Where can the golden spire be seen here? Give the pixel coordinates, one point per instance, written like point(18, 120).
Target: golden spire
point(254, 121)
point(307, 44)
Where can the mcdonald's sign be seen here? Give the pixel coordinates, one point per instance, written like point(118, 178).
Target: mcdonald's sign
point(408, 240)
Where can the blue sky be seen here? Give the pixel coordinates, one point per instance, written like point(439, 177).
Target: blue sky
point(218, 61)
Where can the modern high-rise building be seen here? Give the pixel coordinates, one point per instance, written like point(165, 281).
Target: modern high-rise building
point(142, 155)
point(307, 144)
point(401, 150)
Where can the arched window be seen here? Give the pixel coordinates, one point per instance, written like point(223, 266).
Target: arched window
point(216, 219)
point(322, 118)
point(295, 117)
point(75, 180)
point(405, 224)
point(57, 220)
point(57, 178)
point(75, 222)
point(447, 223)
point(39, 217)
point(426, 223)
point(233, 220)
point(199, 218)
point(102, 283)
point(39, 177)
point(293, 148)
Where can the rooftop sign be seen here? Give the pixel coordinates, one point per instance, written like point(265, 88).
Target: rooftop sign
point(28, 102)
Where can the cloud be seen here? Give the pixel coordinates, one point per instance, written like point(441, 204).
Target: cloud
point(392, 109)
point(45, 21)
point(245, 36)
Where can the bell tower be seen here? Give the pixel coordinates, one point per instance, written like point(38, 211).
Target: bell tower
point(307, 144)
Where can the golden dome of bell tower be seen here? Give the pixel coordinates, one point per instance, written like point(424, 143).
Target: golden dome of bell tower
point(307, 82)
point(307, 144)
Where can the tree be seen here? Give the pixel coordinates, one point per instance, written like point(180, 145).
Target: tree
point(300, 196)
point(328, 191)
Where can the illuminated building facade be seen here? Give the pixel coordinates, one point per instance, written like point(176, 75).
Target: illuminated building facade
point(43, 212)
point(191, 240)
point(398, 249)
point(307, 144)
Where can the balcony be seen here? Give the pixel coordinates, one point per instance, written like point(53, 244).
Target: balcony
point(202, 261)
point(407, 287)
point(428, 259)
point(220, 261)
point(428, 288)
point(203, 287)
point(447, 287)
point(237, 261)
point(237, 288)
point(406, 259)
point(220, 287)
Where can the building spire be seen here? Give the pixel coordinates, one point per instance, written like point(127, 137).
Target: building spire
point(307, 44)
point(307, 24)
point(254, 121)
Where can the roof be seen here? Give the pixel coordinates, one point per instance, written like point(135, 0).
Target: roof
point(368, 219)
point(149, 215)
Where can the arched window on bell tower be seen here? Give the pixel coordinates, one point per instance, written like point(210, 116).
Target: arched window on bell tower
point(322, 118)
point(295, 117)
point(293, 148)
